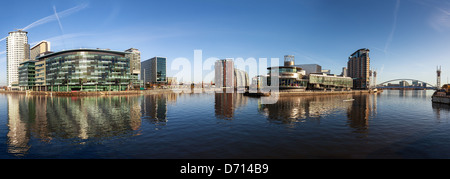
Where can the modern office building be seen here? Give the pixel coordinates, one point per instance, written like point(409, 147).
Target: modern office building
point(39, 48)
point(40, 75)
point(86, 70)
point(17, 51)
point(27, 75)
point(358, 68)
point(153, 71)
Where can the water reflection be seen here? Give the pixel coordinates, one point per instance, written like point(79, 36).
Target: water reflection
point(442, 111)
point(407, 93)
point(226, 103)
point(361, 109)
point(289, 110)
point(154, 108)
point(79, 118)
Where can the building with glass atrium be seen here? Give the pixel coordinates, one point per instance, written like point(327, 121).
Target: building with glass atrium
point(86, 70)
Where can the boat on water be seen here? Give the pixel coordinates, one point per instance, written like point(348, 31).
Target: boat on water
point(442, 95)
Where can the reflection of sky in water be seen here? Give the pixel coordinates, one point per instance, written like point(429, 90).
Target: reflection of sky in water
point(224, 126)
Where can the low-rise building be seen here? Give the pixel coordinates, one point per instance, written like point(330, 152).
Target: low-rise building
point(327, 81)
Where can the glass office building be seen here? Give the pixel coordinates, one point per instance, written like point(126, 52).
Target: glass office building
point(153, 71)
point(161, 69)
point(87, 70)
point(27, 75)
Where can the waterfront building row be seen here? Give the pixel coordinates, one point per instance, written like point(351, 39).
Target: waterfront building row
point(79, 70)
point(302, 77)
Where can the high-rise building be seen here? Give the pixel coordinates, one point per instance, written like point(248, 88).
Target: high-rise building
point(17, 51)
point(39, 48)
point(224, 73)
point(358, 68)
point(135, 60)
point(153, 70)
point(344, 72)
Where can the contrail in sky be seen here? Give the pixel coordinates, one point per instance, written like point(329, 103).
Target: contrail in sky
point(60, 25)
point(56, 16)
point(394, 26)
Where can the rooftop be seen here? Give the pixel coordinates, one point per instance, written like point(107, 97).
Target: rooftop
point(83, 50)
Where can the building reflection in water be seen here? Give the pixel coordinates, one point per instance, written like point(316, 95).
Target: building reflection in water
point(154, 108)
point(18, 133)
point(225, 104)
point(290, 110)
point(442, 111)
point(361, 109)
point(49, 118)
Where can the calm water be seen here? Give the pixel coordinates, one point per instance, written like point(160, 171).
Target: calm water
point(394, 124)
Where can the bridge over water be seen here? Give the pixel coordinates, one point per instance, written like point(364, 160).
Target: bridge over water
point(419, 84)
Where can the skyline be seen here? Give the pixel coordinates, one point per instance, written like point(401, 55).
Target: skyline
point(407, 39)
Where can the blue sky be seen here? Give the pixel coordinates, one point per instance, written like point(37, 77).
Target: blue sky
point(407, 38)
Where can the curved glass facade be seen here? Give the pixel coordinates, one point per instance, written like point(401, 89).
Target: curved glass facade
point(87, 70)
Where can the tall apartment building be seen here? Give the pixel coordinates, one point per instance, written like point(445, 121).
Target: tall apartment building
point(229, 77)
point(17, 51)
point(135, 60)
point(39, 48)
point(358, 68)
point(224, 73)
point(153, 70)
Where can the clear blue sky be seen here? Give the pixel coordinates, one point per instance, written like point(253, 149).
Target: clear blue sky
point(407, 38)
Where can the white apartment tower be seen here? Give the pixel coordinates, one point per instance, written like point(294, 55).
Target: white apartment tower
point(17, 50)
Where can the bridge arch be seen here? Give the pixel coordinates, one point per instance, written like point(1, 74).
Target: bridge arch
point(428, 84)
